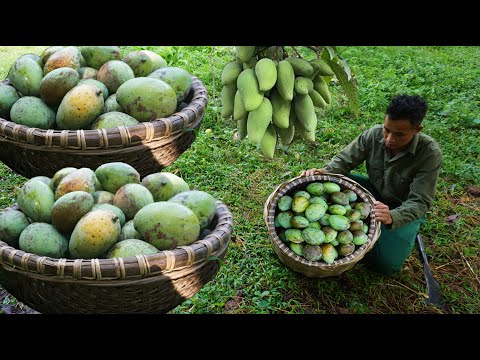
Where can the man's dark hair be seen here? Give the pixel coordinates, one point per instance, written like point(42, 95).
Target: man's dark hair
point(406, 107)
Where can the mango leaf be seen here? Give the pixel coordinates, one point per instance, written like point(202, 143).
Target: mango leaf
point(345, 66)
point(349, 87)
point(330, 53)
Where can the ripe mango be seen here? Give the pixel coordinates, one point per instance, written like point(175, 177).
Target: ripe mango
point(147, 98)
point(132, 197)
point(80, 107)
point(67, 57)
point(69, 209)
point(44, 240)
point(55, 85)
point(114, 73)
point(95, 233)
point(166, 225)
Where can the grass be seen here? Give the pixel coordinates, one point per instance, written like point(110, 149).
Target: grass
point(251, 279)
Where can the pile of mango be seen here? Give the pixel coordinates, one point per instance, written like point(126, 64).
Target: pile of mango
point(272, 95)
point(105, 213)
point(91, 87)
point(322, 222)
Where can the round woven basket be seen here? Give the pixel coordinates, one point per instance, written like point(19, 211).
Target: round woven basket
point(148, 146)
point(318, 268)
point(140, 284)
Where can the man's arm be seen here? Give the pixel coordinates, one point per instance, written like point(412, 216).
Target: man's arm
point(422, 193)
point(350, 157)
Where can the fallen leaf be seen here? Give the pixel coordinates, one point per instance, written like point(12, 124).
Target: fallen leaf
point(341, 310)
point(452, 218)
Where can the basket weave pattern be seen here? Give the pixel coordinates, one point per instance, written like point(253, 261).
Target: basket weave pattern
point(318, 268)
point(148, 146)
point(154, 283)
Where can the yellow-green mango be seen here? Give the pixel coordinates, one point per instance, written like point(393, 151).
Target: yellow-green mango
point(95, 233)
point(44, 240)
point(132, 197)
point(269, 141)
point(82, 179)
point(113, 208)
point(131, 247)
point(158, 61)
point(303, 85)
point(113, 119)
point(111, 104)
point(286, 135)
point(67, 57)
point(201, 203)
point(346, 249)
point(323, 68)
point(301, 67)
point(35, 199)
point(321, 86)
point(266, 73)
point(25, 75)
point(147, 98)
point(114, 73)
point(59, 175)
point(338, 222)
point(79, 107)
point(12, 223)
point(247, 84)
point(329, 253)
point(48, 52)
point(285, 79)
point(96, 56)
point(55, 85)
point(164, 185)
point(313, 235)
point(317, 99)
point(280, 110)
point(32, 112)
point(179, 79)
point(239, 111)
point(101, 86)
point(305, 112)
point(228, 100)
point(258, 121)
point(69, 209)
point(103, 197)
point(87, 72)
point(128, 232)
point(140, 63)
point(167, 225)
point(114, 175)
point(230, 72)
point(244, 53)
point(8, 97)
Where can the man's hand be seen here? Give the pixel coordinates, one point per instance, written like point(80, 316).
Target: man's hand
point(382, 213)
point(312, 172)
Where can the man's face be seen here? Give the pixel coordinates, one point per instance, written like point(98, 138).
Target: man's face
point(397, 134)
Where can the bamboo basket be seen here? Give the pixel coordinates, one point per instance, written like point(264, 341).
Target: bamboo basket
point(318, 268)
point(148, 146)
point(154, 283)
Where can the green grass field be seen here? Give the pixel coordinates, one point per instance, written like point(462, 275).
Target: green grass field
point(251, 279)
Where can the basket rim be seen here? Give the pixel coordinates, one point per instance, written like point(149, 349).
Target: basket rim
point(282, 189)
point(143, 132)
point(134, 267)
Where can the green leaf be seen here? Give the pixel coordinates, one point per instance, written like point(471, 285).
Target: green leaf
point(345, 66)
point(349, 87)
point(210, 258)
point(330, 52)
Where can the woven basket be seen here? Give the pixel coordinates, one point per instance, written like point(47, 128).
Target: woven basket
point(141, 284)
point(148, 146)
point(318, 268)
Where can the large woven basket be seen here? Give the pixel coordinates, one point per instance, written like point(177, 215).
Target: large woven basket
point(142, 284)
point(318, 268)
point(148, 146)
